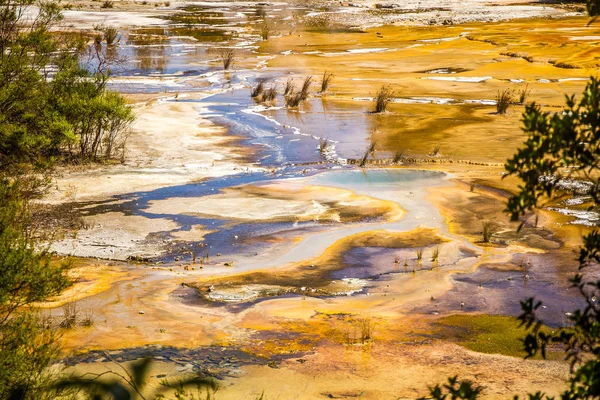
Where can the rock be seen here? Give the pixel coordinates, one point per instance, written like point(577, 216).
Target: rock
point(141, 312)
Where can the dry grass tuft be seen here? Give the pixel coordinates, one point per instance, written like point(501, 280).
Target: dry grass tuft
point(293, 100)
point(290, 87)
point(523, 94)
point(227, 58)
point(382, 98)
point(487, 232)
point(326, 81)
point(265, 31)
point(306, 87)
point(69, 317)
point(259, 89)
point(270, 94)
point(323, 146)
point(503, 100)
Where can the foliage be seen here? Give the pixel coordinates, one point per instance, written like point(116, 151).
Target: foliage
point(27, 347)
point(559, 146)
point(27, 276)
point(455, 389)
point(130, 384)
point(51, 107)
point(593, 9)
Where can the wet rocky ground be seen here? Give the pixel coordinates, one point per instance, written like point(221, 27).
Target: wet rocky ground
point(288, 249)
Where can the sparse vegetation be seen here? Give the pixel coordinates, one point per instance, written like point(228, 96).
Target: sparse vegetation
point(368, 152)
point(107, 4)
point(323, 146)
point(227, 58)
point(454, 390)
point(487, 232)
point(436, 253)
point(293, 100)
point(419, 255)
point(326, 81)
point(492, 334)
point(270, 94)
point(265, 31)
point(306, 87)
point(259, 89)
point(363, 160)
point(290, 87)
point(81, 122)
point(129, 384)
point(382, 98)
point(524, 93)
point(110, 34)
point(503, 101)
point(70, 316)
point(398, 156)
point(29, 276)
point(366, 329)
point(554, 141)
point(88, 318)
point(372, 147)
